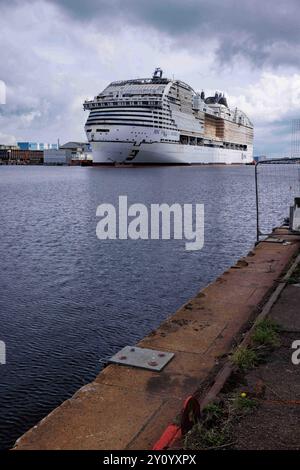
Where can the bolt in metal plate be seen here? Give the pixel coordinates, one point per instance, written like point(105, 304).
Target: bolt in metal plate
point(150, 359)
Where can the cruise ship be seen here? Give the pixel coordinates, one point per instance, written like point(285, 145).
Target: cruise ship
point(164, 121)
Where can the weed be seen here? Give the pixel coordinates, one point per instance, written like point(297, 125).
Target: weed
point(213, 412)
point(214, 437)
point(266, 333)
point(293, 280)
point(295, 277)
point(245, 358)
point(244, 404)
point(202, 437)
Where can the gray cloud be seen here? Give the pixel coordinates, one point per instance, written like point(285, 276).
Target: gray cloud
point(265, 32)
point(254, 29)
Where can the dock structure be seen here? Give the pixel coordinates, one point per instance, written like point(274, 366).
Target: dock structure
point(129, 408)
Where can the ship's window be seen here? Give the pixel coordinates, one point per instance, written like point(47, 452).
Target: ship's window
point(102, 130)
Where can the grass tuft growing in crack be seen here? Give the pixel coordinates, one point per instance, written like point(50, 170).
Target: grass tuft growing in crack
point(266, 333)
point(212, 431)
point(295, 277)
point(213, 437)
point(241, 403)
point(213, 412)
point(245, 358)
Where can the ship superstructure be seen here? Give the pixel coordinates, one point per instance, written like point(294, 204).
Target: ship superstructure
point(162, 121)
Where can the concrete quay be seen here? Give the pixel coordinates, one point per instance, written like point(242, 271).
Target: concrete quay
point(129, 408)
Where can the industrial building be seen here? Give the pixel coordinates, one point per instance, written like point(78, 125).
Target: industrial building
point(31, 153)
point(57, 157)
point(36, 146)
point(13, 155)
point(71, 153)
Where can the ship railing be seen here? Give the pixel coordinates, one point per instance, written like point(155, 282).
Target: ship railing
point(277, 184)
point(110, 104)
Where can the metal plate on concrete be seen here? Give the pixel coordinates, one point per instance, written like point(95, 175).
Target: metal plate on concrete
point(150, 359)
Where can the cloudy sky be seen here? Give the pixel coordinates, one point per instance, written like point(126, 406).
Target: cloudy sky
point(56, 53)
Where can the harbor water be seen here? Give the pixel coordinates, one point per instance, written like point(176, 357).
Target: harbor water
point(68, 301)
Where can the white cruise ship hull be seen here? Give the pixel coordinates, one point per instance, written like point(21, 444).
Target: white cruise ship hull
point(166, 153)
point(161, 121)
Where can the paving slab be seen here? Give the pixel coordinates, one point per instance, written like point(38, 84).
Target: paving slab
point(90, 419)
point(275, 424)
point(183, 375)
point(286, 311)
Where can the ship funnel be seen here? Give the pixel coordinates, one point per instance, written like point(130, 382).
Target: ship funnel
point(157, 73)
